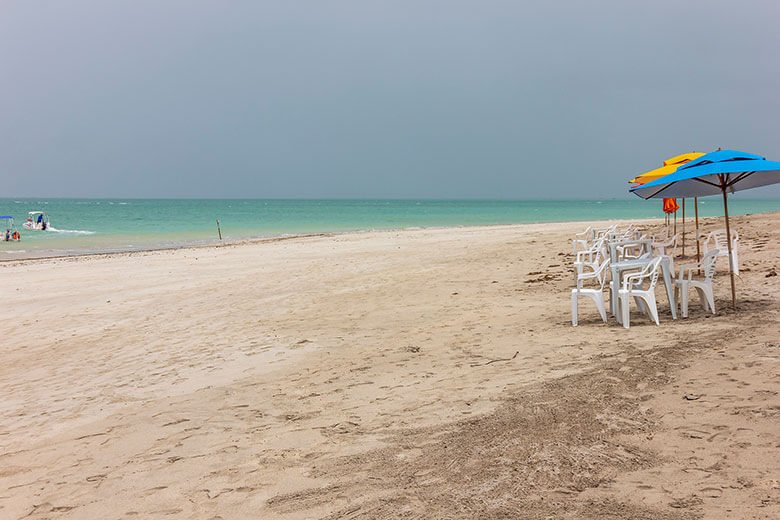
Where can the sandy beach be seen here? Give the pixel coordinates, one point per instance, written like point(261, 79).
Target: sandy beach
point(429, 373)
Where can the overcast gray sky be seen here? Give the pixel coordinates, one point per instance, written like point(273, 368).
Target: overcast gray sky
point(361, 98)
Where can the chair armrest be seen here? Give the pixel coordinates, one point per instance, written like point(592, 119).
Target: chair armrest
point(688, 267)
point(588, 254)
point(587, 276)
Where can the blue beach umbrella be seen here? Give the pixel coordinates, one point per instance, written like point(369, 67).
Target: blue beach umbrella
point(716, 173)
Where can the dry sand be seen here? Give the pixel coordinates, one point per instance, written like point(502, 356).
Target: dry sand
point(374, 375)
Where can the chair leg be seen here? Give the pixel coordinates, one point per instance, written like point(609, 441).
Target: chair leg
point(624, 299)
point(574, 308)
point(735, 262)
point(677, 295)
point(640, 304)
point(684, 299)
point(601, 307)
point(710, 298)
point(651, 304)
point(703, 299)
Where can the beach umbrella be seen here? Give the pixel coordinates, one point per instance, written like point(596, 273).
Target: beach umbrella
point(669, 204)
point(716, 173)
point(670, 166)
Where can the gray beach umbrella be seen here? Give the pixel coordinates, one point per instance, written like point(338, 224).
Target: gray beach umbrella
point(716, 173)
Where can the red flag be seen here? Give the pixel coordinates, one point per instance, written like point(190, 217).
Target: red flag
point(670, 206)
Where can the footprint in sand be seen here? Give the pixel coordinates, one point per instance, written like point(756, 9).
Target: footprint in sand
point(711, 492)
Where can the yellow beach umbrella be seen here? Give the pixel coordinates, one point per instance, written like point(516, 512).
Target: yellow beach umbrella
point(683, 158)
point(670, 166)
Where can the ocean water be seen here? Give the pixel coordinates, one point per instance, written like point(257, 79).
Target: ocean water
point(100, 225)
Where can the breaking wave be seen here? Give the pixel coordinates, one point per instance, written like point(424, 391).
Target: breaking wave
point(53, 229)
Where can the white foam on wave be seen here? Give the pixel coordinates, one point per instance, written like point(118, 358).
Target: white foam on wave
point(70, 231)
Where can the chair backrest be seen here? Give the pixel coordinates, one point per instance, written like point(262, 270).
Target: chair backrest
point(651, 270)
point(589, 233)
point(601, 272)
point(655, 266)
point(718, 238)
point(708, 264)
point(604, 232)
point(599, 247)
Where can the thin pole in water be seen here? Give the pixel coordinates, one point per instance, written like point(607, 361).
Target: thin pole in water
point(219, 231)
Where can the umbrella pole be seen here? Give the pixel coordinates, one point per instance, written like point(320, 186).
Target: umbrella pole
point(696, 213)
point(728, 238)
point(683, 230)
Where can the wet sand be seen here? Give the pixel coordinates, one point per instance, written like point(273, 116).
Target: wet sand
point(414, 374)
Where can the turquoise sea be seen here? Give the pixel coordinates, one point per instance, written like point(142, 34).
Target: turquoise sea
point(100, 225)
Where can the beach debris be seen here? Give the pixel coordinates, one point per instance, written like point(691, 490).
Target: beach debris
point(692, 397)
point(771, 273)
point(412, 348)
point(544, 278)
point(495, 360)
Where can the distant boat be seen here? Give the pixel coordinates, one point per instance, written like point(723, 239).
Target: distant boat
point(10, 234)
point(37, 221)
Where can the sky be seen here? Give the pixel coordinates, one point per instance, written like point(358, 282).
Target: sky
point(377, 99)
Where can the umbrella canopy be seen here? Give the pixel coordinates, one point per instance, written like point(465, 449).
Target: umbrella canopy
point(715, 173)
point(683, 158)
point(712, 174)
point(670, 166)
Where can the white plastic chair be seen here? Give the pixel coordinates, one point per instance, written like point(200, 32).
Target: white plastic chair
point(630, 233)
point(663, 249)
point(582, 241)
point(591, 258)
point(632, 252)
point(607, 232)
point(633, 288)
point(597, 295)
point(717, 240)
point(669, 243)
point(703, 287)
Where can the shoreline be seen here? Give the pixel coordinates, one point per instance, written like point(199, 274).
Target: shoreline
point(276, 238)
